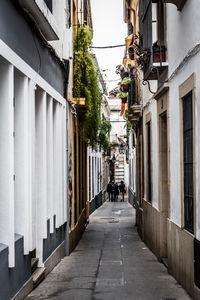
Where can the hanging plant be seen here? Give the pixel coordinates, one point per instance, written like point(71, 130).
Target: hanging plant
point(122, 71)
point(123, 96)
point(124, 84)
point(85, 78)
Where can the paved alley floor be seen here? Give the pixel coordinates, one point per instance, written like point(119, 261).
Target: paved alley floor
point(110, 262)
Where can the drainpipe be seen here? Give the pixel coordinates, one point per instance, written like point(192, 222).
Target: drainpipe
point(66, 83)
point(135, 60)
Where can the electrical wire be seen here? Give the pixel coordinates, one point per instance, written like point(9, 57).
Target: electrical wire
point(113, 80)
point(107, 47)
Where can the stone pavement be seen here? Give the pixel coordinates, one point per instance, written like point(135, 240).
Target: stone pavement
point(110, 262)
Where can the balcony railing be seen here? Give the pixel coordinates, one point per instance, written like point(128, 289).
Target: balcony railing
point(131, 94)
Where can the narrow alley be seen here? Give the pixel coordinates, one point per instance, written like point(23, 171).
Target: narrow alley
point(110, 262)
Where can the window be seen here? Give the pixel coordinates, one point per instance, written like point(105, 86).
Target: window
point(188, 163)
point(75, 178)
point(49, 4)
point(79, 175)
point(83, 178)
point(68, 11)
point(92, 177)
point(149, 190)
point(89, 178)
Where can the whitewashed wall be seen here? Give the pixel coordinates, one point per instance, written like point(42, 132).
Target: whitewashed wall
point(118, 130)
point(32, 155)
point(186, 33)
point(95, 171)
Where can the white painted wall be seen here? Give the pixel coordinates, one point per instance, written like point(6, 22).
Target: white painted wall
point(30, 137)
point(63, 46)
point(186, 33)
point(185, 28)
point(117, 133)
point(118, 122)
point(21, 157)
point(7, 158)
point(94, 188)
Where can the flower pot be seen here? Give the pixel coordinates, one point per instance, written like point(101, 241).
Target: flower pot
point(124, 74)
point(125, 87)
point(124, 100)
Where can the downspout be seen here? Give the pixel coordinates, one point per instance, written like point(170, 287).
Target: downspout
point(66, 83)
point(135, 60)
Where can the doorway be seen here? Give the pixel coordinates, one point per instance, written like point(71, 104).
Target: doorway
point(163, 184)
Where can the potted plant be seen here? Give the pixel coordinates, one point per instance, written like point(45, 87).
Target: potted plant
point(124, 84)
point(123, 96)
point(122, 71)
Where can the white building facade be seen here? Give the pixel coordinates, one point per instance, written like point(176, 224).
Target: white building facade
point(170, 206)
point(33, 133)
point(117, 138)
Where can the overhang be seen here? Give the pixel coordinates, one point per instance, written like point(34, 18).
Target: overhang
point(179, 3)
point(42, 17)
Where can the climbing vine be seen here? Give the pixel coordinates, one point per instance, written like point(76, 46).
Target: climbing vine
point(103, 135)
point(86, 84)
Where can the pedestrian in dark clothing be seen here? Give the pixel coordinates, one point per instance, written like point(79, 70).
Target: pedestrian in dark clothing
point(112, 191)
point(116, 192)
point(109, 187)
point(122, 189)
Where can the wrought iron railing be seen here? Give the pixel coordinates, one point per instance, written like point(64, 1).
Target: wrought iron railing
point(131, 94)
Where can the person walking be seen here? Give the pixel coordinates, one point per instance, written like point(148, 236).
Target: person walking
point(109, 190)
point(116, 192)
point(113, 191)
point(122, 189)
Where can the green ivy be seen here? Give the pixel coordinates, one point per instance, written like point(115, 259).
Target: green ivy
point(103, 135)
point(86, 84)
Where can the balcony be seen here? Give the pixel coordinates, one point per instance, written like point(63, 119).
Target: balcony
point(79, 101)
point(80, 104)
point(157, 64)
point(135, 112)
point(131, 92)
point(40, 12)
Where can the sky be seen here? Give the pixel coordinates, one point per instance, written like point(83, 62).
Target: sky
point(109, 29)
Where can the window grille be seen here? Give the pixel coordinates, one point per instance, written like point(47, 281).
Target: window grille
point(188, 163)
point(89, 178)
point(149, 189)
point(75, 179)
